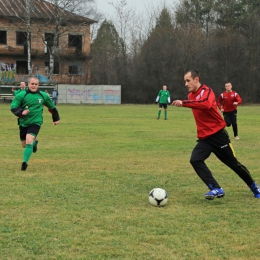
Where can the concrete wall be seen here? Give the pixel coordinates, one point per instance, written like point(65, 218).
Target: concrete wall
point(89, 94)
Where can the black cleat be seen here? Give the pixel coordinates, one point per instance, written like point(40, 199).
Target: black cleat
point(35, 146)
point(24, 166)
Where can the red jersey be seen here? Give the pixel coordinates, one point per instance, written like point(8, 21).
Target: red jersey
point(226, 100)
point(204, 107)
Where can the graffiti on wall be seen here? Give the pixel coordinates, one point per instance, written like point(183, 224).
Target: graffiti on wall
point(112, 95)
point(8, 71)
point(72, 92)
point(42, 78)
point(95, 94)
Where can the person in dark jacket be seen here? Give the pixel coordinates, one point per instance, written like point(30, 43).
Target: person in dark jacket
point(55, 96)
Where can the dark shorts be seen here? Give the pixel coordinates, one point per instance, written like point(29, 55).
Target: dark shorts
point(31, 129)
point(163, 105)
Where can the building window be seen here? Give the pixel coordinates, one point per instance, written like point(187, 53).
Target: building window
point(56, 67)
point(21, 38)
point(75, 41)
point(3, 38)
point(21, 67)
point(49, 42)
point(73, 69)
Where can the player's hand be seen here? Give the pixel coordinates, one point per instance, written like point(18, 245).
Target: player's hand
point(177, 103)
point(25, 112)
point(55, 123)
point(235, 103)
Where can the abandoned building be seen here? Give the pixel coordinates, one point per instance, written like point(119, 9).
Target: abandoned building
point(54, 36)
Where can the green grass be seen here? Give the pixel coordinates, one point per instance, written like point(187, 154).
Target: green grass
point(85, 192)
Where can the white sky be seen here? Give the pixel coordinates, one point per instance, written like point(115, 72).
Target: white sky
point(140, 6)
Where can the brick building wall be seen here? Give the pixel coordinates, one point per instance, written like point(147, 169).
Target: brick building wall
point(11, 53)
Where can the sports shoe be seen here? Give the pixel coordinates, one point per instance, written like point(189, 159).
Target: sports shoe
point(256, 191)
point(165, 119)
point(215, 193)
point(158, 118)
point(24, 166)
point(236, 137)
point(35, 146)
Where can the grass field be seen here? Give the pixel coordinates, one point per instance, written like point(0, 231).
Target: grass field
point(85, 192)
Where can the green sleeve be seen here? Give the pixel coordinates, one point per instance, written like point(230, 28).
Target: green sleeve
point(52, 109)
point(16, 105)
point(47, 100)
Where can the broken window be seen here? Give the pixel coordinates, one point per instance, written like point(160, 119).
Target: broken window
point(75, 41)
point(73, 69)
point(21, 38)
point(49, 42)
point(3, 38)
point(56, 67)
point(21, 67)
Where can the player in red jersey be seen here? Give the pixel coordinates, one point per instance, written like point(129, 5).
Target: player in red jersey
point(212, 137)
point(227, 103)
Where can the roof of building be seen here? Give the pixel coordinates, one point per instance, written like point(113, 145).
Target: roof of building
point(40, 9)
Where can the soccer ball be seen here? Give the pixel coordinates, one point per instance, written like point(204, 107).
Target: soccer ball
point(158, 197)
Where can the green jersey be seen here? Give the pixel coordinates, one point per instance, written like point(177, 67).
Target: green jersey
point(16, 92)
point(34, 102)
point(163, 97)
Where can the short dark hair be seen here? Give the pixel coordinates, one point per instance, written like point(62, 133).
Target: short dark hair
point(30, 78)
point(194, 73)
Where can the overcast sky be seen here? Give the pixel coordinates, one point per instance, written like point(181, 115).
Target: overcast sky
point(140, 6)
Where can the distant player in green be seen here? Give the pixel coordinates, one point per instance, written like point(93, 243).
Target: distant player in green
point(163, 98)
point(22, 87)
point(28, 107)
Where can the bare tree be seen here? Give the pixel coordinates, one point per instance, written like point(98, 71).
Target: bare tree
point(28, 34)
point(67, 14)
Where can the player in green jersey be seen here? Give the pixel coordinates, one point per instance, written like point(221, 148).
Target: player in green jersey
point(163, 98)
point(22, 87)
point(28, 107)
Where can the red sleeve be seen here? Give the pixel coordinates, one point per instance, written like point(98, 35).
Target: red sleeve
point(203, 99)
point(238, 99)
point(219, 103)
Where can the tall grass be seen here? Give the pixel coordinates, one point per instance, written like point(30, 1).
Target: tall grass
point(85, 192)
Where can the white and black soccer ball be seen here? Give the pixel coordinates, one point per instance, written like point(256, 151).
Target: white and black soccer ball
point(158, 197)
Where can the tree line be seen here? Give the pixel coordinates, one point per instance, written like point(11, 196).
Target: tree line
point(220, 38)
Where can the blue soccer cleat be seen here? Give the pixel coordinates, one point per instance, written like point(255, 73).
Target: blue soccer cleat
point(215, 193)
point(255, 189)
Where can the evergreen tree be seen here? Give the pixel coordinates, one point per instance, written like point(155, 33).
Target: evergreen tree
point(106, 52)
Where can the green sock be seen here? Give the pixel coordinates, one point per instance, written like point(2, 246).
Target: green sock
point(159, 113)
point(165, 114)
point(27, 152)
